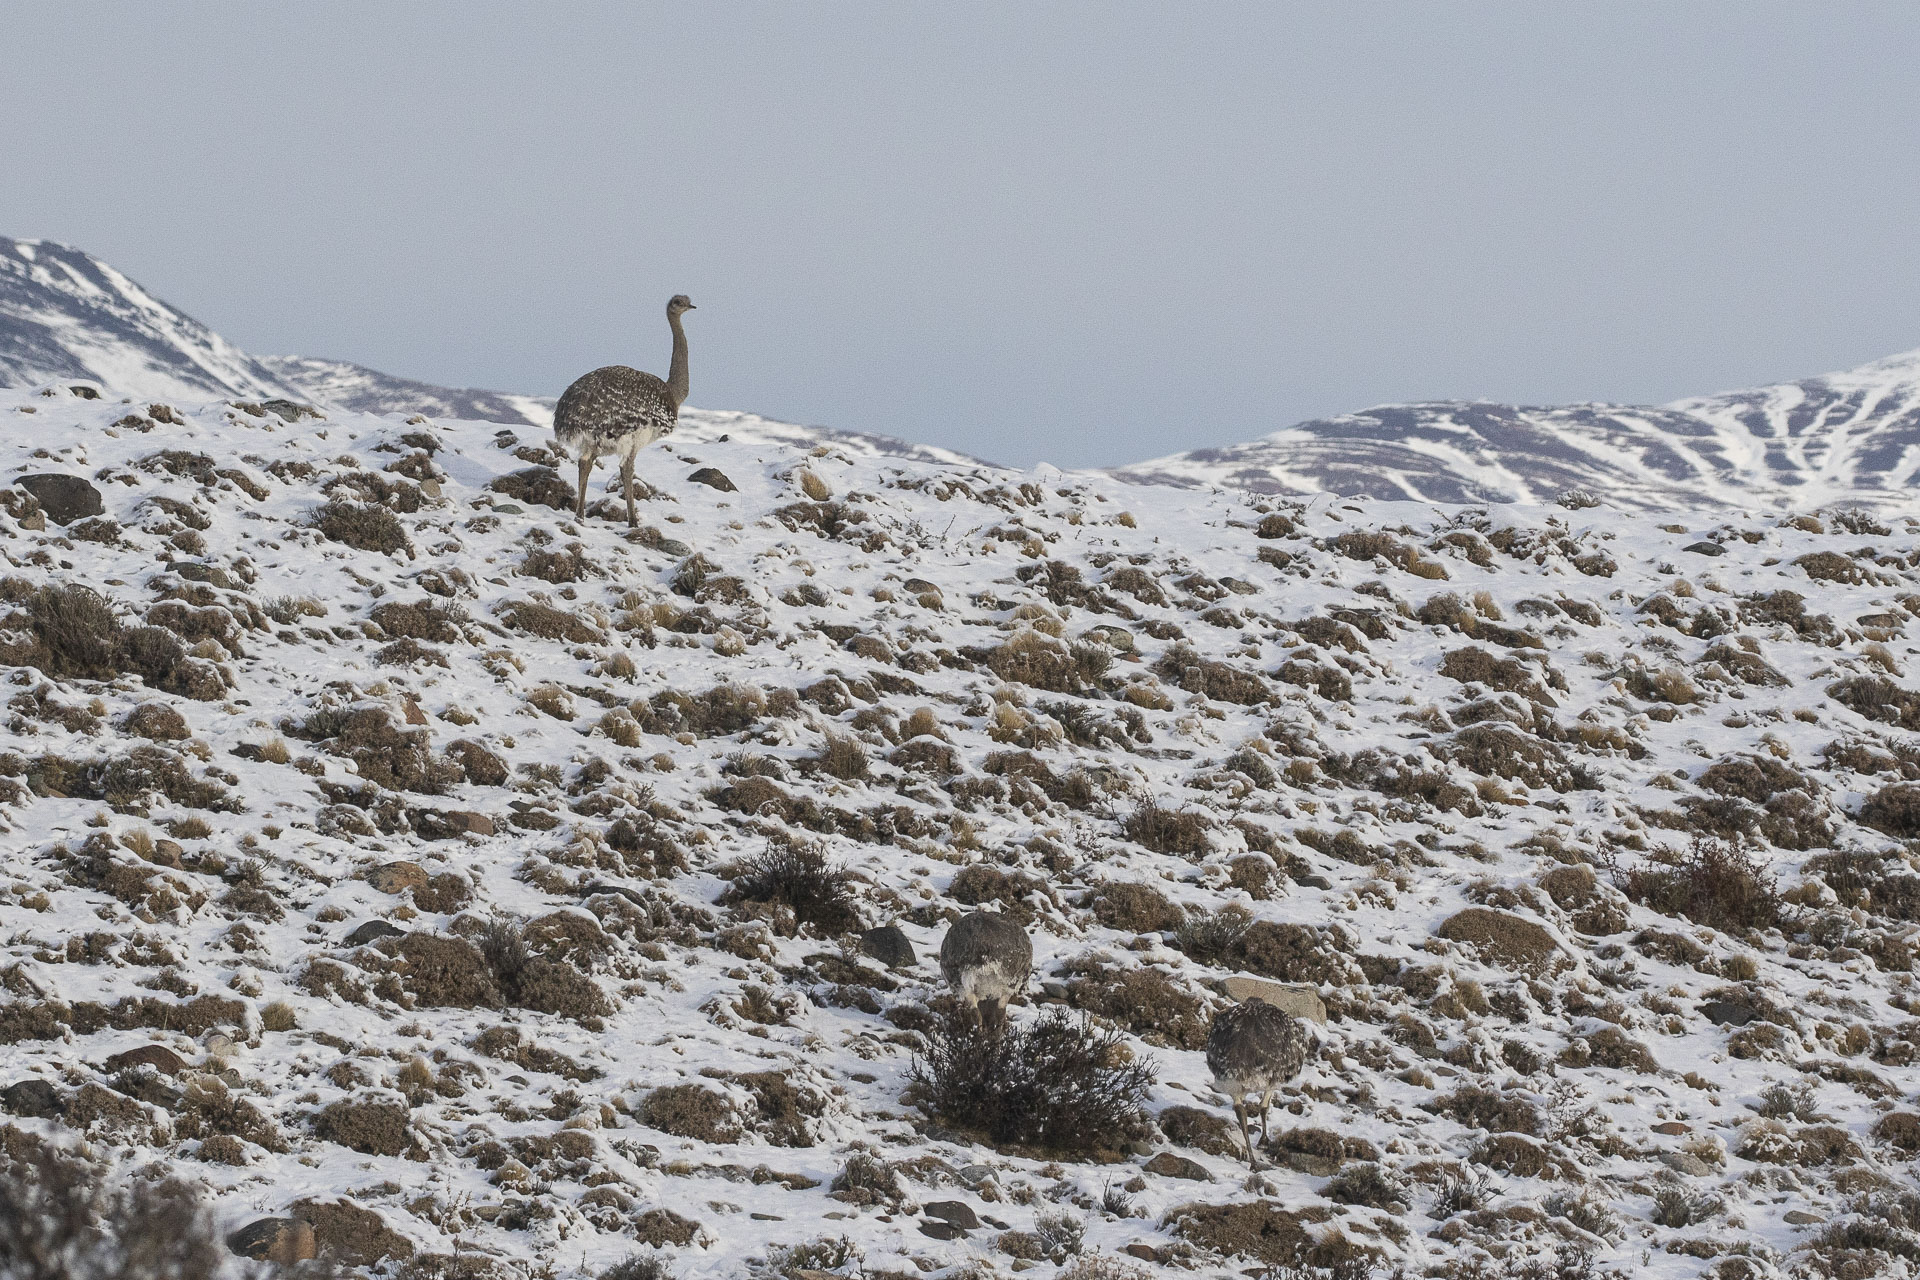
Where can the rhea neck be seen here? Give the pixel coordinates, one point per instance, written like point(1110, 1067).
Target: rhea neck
point(677, 371)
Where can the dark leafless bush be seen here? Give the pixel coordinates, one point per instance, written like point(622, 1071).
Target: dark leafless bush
point(62, 1220)
point(1181, 831)
point(1058, 1086)
point(799, 877)
point(1712, 883)
point(363, 526)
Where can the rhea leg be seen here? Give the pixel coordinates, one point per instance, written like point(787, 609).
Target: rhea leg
point(1266, 1108)
point(993, 1017)
point(580, 498)
point(626, 480)
point(1246, 1134)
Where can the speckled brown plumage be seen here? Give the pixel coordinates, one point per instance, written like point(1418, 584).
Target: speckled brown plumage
point(986, 958)
point(1254, 1048)
point(617, 410)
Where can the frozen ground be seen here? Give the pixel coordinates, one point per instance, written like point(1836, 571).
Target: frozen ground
point(1040, 671)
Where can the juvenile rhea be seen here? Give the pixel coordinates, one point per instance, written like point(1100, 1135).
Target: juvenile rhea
point(620, 410)
point(1254, 1048)
point(986, 958)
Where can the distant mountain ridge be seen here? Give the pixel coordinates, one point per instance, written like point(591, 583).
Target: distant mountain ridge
point(1842, 437)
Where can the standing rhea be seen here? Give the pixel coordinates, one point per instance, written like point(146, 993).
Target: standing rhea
point(1255, 1048)
point(620, 410)
point(986, 958)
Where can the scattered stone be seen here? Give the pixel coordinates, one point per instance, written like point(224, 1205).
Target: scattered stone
point(1144, 1252)
point(397, 877)
point(1727, 1014)
point(161, 1059)
point(1682, 1162)
point(1291, 998)
point(371, 931)
point(1118, 639)
point(35, 1099)
point(715, 478)
point(1169, 1165)
point(1705, 548)
point(1801, 1218)
point(889, 945)
point(282, 1240)
point(956, 1212)
point(509, 509)
point(1672, 1128)
point(975, 1174)
point(942, 1231)
point(64, 498)
point(446, 824)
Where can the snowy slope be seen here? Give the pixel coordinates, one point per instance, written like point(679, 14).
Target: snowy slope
point(67, 316)
point(1845, 436)
point(964, 686)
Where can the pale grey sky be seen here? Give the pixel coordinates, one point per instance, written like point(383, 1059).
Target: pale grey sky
point(1089, 233)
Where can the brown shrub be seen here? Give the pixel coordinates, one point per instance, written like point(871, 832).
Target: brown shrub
point(1877, 698)
point(1146, 1001)
point(1328, 681)
point(1504, 939)
point(799, 877)
point(980, 884)
point(550, 623)
point(538, 486)
point(557, 567)
point(1900, 1130)
point(481, 766)
point(445, 972)
point(349, 1234)
point(1511, 1153)
point(1894, 810)
point(1373, 544)
point(1296, 952)
point(1135, 908)
point(1204, 1130)
point(1489, 1109)
point(426, 619)
point(1035, 660)
point(371, 1128)
point(157, 721)
point(1755, 778)
point(1748, 668)
point(721, 711)
point(692, 1111)
point(1296, 1239)
point(383, 752)
point(1712, 883)
point(1831, 566)
point(662, 1228)
point(1054, 1087)
point(1185, 668)
point(363, 526)
point(1181, 831)
point(1502, 751)
point(1509, 675)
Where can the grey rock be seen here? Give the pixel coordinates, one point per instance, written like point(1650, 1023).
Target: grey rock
point(941, 1230)
point(956, 1212)
point(1691, 1165)
point(1290, 998)
point(508, 509)
point(1801, 1218)
point(715, 478)
point(35, 1099)
point(1705, 548)
point(975, 1174)
point(64, 498)
point(1169, 1165)
point(372, 931)
point(889, 945)
point(273, 1240)
point(1727, 1013)
point(672, 547)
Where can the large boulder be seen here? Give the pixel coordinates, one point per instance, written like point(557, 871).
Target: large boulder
point(64, 498)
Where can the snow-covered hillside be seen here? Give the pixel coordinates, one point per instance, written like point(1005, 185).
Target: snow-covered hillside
point(1845, 437)
point(67, 316)
point(464, 878)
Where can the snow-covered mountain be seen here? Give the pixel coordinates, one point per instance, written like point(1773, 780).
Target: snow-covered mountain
point(67, 316)
point(1852, 436)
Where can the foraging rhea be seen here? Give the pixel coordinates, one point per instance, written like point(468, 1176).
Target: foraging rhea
point(986, 959)
point(1255, 1048)
point(620, 410)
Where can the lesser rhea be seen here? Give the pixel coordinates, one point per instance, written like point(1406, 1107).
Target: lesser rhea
point(620, 410)
point(1254, 1048)
point(986, 959)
